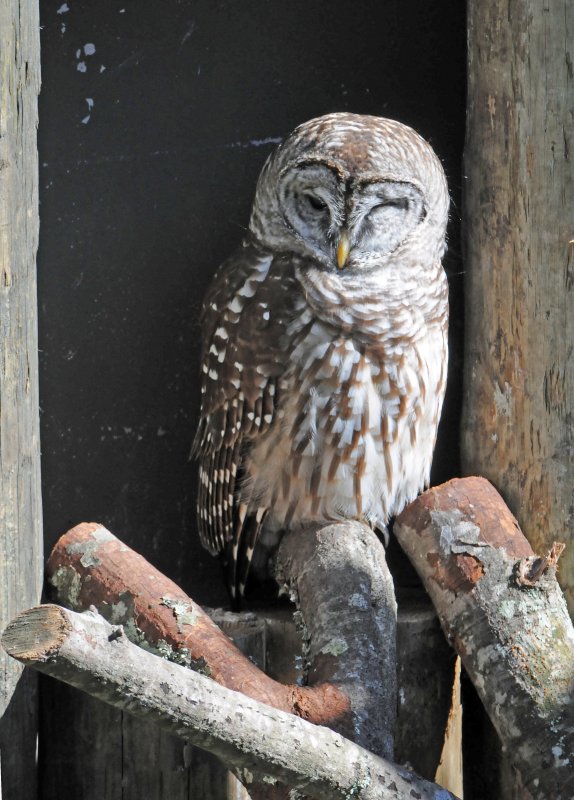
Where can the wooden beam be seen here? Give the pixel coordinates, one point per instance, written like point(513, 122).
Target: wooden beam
point(20, 504)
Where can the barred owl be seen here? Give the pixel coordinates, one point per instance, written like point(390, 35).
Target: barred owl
point(325, 340)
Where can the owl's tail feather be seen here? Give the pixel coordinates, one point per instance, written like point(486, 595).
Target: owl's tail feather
point(239, 551)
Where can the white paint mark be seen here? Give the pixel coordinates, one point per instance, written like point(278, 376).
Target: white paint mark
point(78, 53)
point(63, 27)
point(89, 49)
point(102, 68)
point(82, 67)
point(64, 8)
point(90, 103)
point(188, 33)
point(257, 142)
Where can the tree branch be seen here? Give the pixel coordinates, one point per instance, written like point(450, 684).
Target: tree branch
point(338, 576)
point(90, 654)
point(89, 566)
point(514, 636)
point(353, 671)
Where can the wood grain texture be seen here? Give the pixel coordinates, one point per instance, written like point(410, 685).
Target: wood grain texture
point(516, 642)
point(519, 220)
point(20, 504)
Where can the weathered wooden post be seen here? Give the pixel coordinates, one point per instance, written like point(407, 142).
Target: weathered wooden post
point(20, 503)
point(519, 218)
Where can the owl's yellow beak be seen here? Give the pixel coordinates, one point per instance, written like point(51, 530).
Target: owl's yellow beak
point(343, 249)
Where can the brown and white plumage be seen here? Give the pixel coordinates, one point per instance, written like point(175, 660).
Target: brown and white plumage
point(325, 339)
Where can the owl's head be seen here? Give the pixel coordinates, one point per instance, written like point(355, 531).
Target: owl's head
point(352, 193)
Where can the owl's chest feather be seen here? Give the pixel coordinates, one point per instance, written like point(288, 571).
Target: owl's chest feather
point(355, 426)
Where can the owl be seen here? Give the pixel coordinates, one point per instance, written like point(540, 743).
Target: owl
point(325, 340)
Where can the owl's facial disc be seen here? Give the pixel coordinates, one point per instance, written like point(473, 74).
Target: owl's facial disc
point(312, 202)
point(347, 223)
point(382, 215)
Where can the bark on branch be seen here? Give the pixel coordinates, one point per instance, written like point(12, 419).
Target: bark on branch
point(506, 616)
point(89, 566)
point(338, 576)
point(87, 652)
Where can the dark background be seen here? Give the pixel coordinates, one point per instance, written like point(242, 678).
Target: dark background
point(155, 119)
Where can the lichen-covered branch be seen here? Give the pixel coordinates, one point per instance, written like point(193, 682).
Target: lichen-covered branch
point(503, 611)
point(338, 576)
point(340, 579)
point(262, 743)
point(89, 566)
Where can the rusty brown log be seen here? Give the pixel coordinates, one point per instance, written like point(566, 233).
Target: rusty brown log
point(501, 607)
point(89, 566)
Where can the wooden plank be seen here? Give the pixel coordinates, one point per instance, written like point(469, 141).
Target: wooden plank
point(20, 504)
point(519, 200)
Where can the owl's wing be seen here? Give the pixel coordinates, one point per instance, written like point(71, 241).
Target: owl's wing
point(241, 362)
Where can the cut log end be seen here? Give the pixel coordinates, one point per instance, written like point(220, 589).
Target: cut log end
point(36, 634)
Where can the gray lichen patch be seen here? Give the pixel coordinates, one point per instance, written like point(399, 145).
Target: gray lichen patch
point(68, 584)
point(457, 534)
point(163, 649)
point(335, 647)
point(357, 788)
point(185, 613)
point(123, 610)
point(102, 535)
point(87, 551)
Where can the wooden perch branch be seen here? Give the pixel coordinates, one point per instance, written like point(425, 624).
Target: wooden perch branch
point(515, 637)
point(87, 652)
point(89, 566)
point(338, 576)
